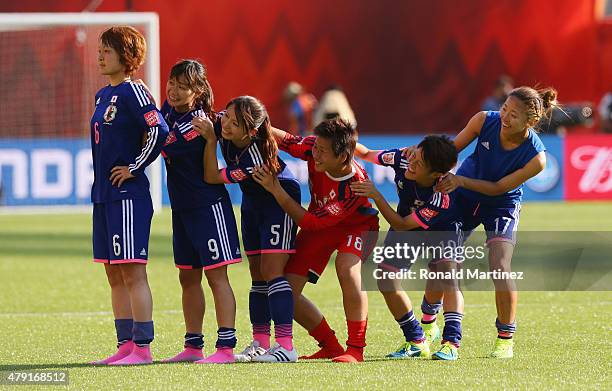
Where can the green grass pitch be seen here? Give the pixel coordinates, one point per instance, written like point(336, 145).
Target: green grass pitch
point(55, 314)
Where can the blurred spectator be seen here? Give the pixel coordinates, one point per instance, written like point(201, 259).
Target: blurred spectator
point(334, 104)
point(503, 86)
point(300, 106)
point(605, 112)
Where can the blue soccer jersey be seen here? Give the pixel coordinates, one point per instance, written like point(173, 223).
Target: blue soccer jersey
point(126, 130)
point(183, 153)
point(491, 162)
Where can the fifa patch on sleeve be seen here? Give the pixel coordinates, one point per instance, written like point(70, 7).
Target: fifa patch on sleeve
point(191, 135)
point(388, 158)
point(427, 213)
point(238, 175)
point(171, 138)
point(152, 118)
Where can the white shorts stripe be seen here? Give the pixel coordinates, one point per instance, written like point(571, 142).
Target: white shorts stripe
point(124, 226)
point(225, 238)
point(131, 204)
point(220, 232)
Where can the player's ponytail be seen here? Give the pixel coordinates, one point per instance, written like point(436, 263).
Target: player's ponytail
point(251, 114)
point(197, 80)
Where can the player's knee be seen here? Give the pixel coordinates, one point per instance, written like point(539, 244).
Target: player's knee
point(388, 286)
point(217, 279)
point(190, 278)
point(114, 276)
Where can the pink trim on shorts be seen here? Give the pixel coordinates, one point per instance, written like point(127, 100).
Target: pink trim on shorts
point(135, 260)
point(419, 222)
point(224, 175)
point(97, 260)
point(500, 240)
point(184, 267)
point(236, 260)
point(272, 251)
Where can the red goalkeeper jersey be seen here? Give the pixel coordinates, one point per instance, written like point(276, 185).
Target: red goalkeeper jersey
point(331, 199)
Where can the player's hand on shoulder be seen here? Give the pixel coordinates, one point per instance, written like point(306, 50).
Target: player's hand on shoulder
point(365, 189)
point(449, 182)
point(204, 127)
point(263, 176)
point(407, 152)
point(120, 174)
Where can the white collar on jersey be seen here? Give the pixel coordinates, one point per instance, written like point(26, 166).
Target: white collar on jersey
point(344, 178)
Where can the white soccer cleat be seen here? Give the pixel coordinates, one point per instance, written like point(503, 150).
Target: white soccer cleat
point(251, 351)
point(277, 354)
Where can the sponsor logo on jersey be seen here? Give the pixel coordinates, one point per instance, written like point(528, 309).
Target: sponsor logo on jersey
point(485, 144)
point(238, 175)
point(428, 214)
point(143, 252)
point(191, 135)
point(152, 118)
point(114, 99)
point(388, 158)
point(110, 113)
point(171, 138)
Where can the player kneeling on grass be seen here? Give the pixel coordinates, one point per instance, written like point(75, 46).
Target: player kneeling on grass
point(335, 220)
point(420, 208)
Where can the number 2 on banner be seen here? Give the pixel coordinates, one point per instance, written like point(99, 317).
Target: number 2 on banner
point(357, 243)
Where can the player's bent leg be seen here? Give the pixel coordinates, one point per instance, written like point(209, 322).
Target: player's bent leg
point(430, 306)
point(348, 270)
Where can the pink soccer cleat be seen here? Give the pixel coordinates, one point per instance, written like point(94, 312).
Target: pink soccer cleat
point(221, 356)
point(123, 351)
point(140, 355)
point(187, 355)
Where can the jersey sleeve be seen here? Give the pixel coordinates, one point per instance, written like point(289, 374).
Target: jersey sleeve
point(151, 121)
point(435, 211)
point(391, 158)
point(243, 170)
point(296, 146)
point(331, 213)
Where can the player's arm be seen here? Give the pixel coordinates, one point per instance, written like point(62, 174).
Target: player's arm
point(504, 185)
point(278, 134)
point(362, 152)
point(397, 222)
point(270, 182)
point(205, 128)
point(471, 131)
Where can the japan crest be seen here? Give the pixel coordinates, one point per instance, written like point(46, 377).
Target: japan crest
point(110, 113)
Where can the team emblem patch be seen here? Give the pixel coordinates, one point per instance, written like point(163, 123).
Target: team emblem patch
point(171, 138)
point(388, 158)
point(334, 209)
point(428, 214)
point(238, 175)
point(152, 118)
point(110, 113)
point(191, 135)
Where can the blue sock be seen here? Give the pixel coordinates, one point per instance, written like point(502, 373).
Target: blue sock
point(452, 328)
point(226, 338)
point(124, 327)
point(505, 331)
point(411, 327)
point(280, 298)
point(143, 333)
point(194, 341)
point(430, 311)
point(259, 309)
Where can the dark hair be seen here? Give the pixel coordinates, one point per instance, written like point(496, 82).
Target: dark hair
point(196, 76)
point(538, 103)
point(129, 43)
point(342, 135)
point(439, 153)
point(252, 114)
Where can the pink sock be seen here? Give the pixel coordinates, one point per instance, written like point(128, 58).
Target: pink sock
point(285, 342)
point(221, 356)
point(428, 318)
point(263, 339)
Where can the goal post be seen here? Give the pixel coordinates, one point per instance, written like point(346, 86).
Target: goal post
point(63, 43)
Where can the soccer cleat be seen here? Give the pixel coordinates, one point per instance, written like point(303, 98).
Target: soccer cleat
point(123, 351)
point(411, 350)
point(277, 353)
point(140, 355)
point(352, 355)
point(253, 350)
point(325, 353)
point(187, 355)
point(221, 356)
point(503, 348)
point(432, 332)
point(447, 352)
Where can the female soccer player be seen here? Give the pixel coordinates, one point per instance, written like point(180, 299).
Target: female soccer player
point(204, 233)
point(124, 115)
point(508, 153)
point(268, 233)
